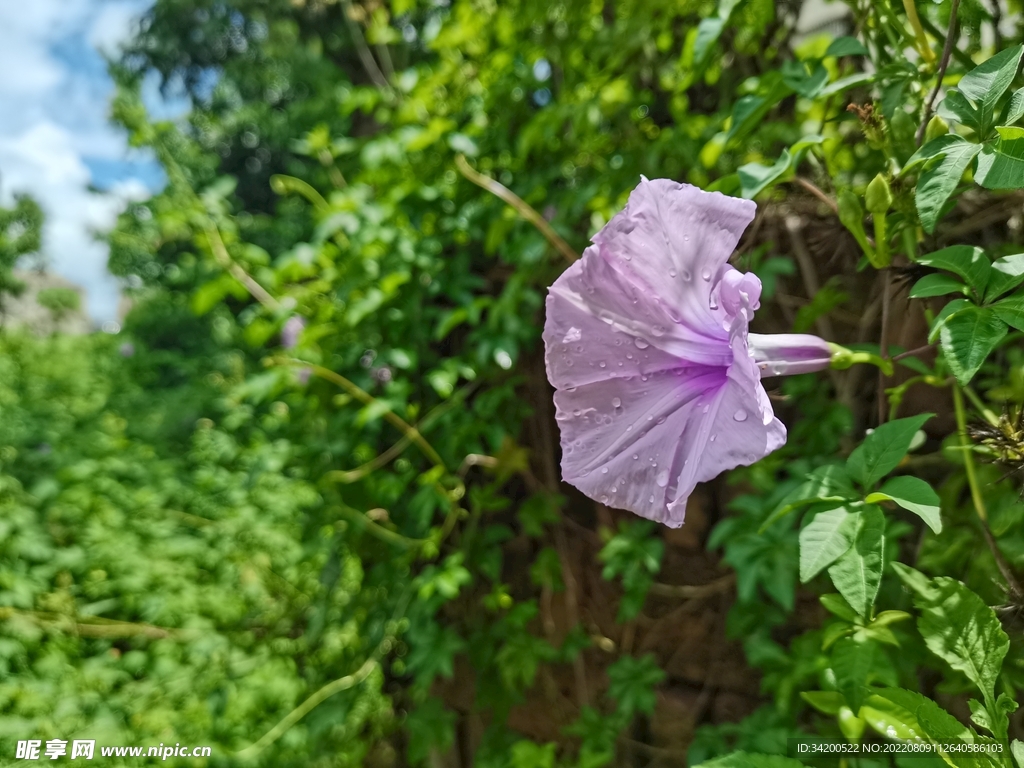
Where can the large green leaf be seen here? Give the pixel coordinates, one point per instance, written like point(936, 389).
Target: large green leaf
point(883, 450)
point(959, 628)
point(914, 495)
point(858, 573)
point(968, 337)
point(1006, 274)
point(1001, 164)
point(957, 107)
point(947, 157)
point(969, 262)
point(825, 539)
point(986, 83)
point(936, 285)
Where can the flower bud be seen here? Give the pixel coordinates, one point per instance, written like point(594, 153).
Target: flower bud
point(878, 197)
point(937, 127)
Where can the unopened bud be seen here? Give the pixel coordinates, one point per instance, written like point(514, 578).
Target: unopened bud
point(878, 197)
point(937, 127)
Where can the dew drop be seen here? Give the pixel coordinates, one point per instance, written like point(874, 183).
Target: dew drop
point(740, 415)
point(658, 330)
point(686, 238)
point(662, 479)
point(574, 334)
point(576, 412)
point(629, 355)
point(705, 273)
point(714, 303)
point(651, 500)
point(629, 428)
point(650, 418)
point(640, 343)
point(635, 457)
point(686, 275)
point(604, 470)
point(602, 364)
point(671, 273)
point(706, 408)
point(603, 499)
point(661, 420)
point(616, 402)
point(779, 368)
point(713, 437)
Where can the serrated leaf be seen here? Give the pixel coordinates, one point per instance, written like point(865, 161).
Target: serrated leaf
point(883, 450)
point(969, 262)
point(858, 573)
point(936, 285)
point(825, 539)
point(1001, 164)
point(852, 663)
point(914, 495)
point(1006, 274)
point(968, 337)
point(958, 627)
point(948, 158)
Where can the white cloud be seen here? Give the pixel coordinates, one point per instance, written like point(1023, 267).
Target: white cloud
point(54, 95)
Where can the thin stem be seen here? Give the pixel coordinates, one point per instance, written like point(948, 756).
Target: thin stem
point(947, 50)
point(366, 398)
point(811, 187)
point(972, 477)
point(883, 341)
point(983, 409)
point(382, 533)
point(220, 253)
point(912, 352)
point(365, 56)
point(521, 206)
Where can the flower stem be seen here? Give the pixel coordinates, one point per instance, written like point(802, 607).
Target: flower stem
point(923, 47)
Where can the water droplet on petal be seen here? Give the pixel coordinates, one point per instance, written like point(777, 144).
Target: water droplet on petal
point(671, 273)
point(662, 479)
point(602, 364)
point(651, 500)
point(686, 275)
point(686, 238)
point(713, 437)
point(706, 408)
point(740, 415)
point(635, 457)
point(658, 330)
point(576, 412)
point(604, 470)
point(574, 334)
point(705, 273)
point(640, 343)
point(616, 402)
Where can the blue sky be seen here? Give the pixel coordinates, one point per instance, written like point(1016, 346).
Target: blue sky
point(55, 138)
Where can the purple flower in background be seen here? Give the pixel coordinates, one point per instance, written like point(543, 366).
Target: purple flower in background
point(290, 333)
point(657, 379)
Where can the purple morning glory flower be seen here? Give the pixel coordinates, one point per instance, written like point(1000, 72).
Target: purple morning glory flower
point(293, 327)
point(657, 379)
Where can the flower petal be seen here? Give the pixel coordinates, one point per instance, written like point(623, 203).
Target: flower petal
point(784, 354)
point(673, 242)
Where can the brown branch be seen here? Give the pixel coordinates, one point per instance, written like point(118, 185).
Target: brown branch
point(694, 592)
point(816, 191)
point(521, 206)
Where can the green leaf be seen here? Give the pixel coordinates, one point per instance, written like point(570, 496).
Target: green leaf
point(858, 573)
point(936, 285)
point(846, 83)
point(808, 85)
point(1006, 274)
point(959, 628)
point(883, 450)
point(1017, 748)
point(1015, 109)
point(914, 495)
point(968, 337)
point(986, 83)
point(919, 714)
point(853, 662)
point(708, 32)
point(956, 106)
point(430, 726)
point(837, 606)
point(751, 760)
point(949, 157)
point(826, 702)
point(828, 483)
point(631, 683)
point(825, 539)
point(969, 262)
point(1011, 311)
point(1001, 165)
point(891, 716)
point(846, 46)
point(945, 313)
point(754, 177)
